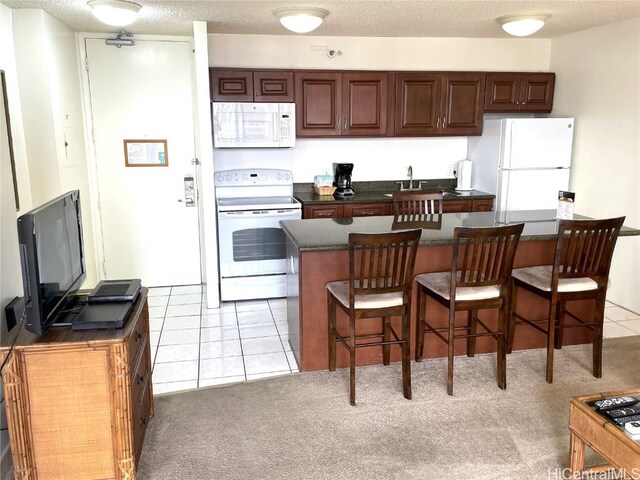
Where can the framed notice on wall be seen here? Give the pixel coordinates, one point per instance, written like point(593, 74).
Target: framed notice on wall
point(146, 153)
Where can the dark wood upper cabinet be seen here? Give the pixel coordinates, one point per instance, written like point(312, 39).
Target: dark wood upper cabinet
point(274, 86)
point(519, 92)
point(438, 103)
point(341, 104)
point(417, 103)
point(318, 103)
point(232, 85)
point(373, 103)
point(462, 103)
point(364, 103)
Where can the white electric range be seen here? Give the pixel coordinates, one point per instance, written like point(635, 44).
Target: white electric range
point(252, 245)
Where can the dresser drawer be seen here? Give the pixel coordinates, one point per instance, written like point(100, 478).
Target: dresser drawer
point(137, 340)
point(140, 376)
point(140, 419)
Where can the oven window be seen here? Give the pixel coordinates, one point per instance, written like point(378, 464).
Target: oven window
point(255, 244)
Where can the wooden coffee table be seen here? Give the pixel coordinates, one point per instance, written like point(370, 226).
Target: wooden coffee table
point(589, 428)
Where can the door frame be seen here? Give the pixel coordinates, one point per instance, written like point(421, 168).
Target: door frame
point(94, 191)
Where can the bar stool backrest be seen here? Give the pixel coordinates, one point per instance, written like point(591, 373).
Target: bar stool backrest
point(584, 248)
point(416, 203)
point(382, 262)
point(483, 256)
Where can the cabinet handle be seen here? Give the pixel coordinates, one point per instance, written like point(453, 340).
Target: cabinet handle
point(250, 94)
point(345, 124)
point(138, 336)
point(338, 122)
point(324, 214)
point(144, 421)
point(444, 121)
point(140, 379)
point(438, 123)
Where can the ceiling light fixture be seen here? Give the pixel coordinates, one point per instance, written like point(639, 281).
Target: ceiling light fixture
point(522, 25)
point(118, 13)
point(301, 20)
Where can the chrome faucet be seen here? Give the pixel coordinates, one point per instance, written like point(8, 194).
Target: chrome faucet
point(410, 187)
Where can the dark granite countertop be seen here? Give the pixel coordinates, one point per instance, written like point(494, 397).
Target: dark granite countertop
point(325, 234)
point(381, 192)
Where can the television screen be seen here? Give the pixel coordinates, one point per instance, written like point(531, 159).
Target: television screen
point(52, 258)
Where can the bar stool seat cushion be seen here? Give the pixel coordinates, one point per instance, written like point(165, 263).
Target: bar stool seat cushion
point(440, 283)
point(540, 278)
point(340, 290)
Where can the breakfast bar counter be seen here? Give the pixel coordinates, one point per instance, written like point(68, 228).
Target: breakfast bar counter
point(317, 253)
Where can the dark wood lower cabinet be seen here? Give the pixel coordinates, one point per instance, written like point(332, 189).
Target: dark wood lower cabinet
point(337, 210)
point(323, 211)
point(368, 210)
point(461, 206)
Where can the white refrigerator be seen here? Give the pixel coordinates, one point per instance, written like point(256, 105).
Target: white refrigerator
point(523, 161)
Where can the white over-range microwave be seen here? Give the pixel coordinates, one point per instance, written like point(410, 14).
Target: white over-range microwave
point(247, 125)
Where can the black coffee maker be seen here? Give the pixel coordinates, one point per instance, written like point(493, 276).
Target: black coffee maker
point(342, 179)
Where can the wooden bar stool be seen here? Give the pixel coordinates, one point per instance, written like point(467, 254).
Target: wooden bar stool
point(479, 279)
point(416, 204)
point(580, 271)
point(380, 280)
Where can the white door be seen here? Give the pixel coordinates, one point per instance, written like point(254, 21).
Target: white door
point(531, 189)
point(144, 92)
point(538, 143)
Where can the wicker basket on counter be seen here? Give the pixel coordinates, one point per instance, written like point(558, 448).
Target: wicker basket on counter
point(322, 191)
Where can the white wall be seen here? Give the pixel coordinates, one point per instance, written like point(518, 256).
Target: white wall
point(10, 276)
point(378, 159)
point(383, 53)
point(51, 99)
point(385, 158)
point(598, 81)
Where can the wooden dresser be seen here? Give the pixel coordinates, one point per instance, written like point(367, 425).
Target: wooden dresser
point(78, 402)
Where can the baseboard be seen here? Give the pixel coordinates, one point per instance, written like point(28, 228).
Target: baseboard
point(5, 464)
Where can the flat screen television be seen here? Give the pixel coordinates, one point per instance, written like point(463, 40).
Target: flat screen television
point(52, 257)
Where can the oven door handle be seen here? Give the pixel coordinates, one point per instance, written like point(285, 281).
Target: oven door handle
point(260, 213)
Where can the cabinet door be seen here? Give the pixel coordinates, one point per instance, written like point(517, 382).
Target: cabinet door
point(482, 205)
point(457, 206)
point(318, 103)
point(231, 85)
point(502, 92)
point(273, 86)
point(417, 103)
point(536, 92)
point(323, 211)
point(364, 103)
point(523, 92)
point(462, 103)
point(366, 210)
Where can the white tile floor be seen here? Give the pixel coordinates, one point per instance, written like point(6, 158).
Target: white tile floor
point(192, 346)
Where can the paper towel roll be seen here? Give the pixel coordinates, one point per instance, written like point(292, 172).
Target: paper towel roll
point(464, 174)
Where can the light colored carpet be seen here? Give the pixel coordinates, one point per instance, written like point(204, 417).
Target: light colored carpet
point(301, 426)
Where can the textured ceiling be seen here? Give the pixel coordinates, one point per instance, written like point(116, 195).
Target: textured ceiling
point(366, 18)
